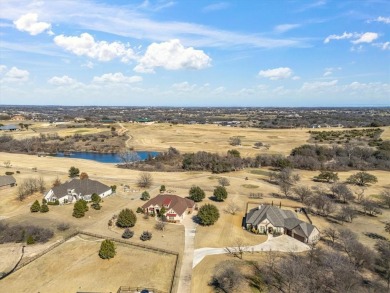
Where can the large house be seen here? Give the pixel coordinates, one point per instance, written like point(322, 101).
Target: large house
point(267, 219)
point(76, 189)
point(7, 181)
point(175, 206)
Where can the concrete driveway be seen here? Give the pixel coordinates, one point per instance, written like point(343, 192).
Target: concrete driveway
point(282, 243)
point(188, 256)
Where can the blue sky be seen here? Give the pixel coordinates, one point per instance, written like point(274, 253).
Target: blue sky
point(195, 52)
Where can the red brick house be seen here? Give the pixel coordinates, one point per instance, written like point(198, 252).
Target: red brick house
point(175, 206)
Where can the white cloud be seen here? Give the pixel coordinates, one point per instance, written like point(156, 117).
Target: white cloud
point(14, 74)
point(345, 35)
point(156, 7)
point(383, 46)
point(85, 45)
point(318, 85)
point(127, 21)
point(184, 87)
point(282, 28)
point(382, 19)
point(219, 90)
point(216, 6)
point(276, 73)
point(330, 70)
point(89, 65)
point(366, 38)
point(117, 77)
point(172, 55)
point(62, 80)
point(29, 23)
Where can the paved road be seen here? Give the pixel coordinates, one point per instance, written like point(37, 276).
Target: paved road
point(281, 243)
point(188, 256)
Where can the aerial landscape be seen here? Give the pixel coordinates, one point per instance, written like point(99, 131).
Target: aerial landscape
point(178, 146)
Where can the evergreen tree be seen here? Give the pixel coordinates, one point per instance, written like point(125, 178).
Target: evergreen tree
point(220, 193)
point(35, 207)
point(44, 208)
point(145, 195)
point(79, 209)
point(30, 240)
point(107, 249)
point(208, 214)
point(126, 219)
point(73, 172)
point(162, 188)
point(196, 193)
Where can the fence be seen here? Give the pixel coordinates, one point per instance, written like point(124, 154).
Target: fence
point(124, 289)
point(176, 254)
point(152, 290)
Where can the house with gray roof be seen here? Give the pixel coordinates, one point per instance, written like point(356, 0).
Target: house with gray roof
point(267, 219)
point(76, 189)
point(7, 181)
point(9, 127)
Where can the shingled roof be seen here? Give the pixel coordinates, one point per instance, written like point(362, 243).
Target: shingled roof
point(7, 180)
point(80, 187)
point(279, 218)
point(177, 203)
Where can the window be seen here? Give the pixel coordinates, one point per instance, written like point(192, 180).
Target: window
point(171, 218)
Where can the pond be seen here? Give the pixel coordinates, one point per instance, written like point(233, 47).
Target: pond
point(103, 158)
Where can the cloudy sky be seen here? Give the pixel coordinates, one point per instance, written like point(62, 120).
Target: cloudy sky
point(195, 52)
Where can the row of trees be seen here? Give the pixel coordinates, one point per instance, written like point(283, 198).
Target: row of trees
point(29, 186)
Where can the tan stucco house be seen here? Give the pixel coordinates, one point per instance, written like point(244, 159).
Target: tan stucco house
point(267, 219)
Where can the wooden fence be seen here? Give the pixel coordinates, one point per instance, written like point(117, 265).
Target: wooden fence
point(123, 288)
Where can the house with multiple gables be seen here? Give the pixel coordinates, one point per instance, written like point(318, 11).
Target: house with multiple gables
point(7, 181)
point(176, 207)
point(268, 219)
point(76, 189)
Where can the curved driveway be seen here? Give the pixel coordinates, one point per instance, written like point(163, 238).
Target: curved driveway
point(281, 243)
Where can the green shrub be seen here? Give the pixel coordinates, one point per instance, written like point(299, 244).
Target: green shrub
point(9, 173)
point(35, 207)
point(127, 234)
point(146, 235)
point(126, 219)
point(208, 214)
point(196, 194)
point(44, 208)
point(30, 240)
point(107, 249)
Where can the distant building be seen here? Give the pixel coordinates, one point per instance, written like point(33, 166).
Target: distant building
point(7, 181)
point(18, 118)
point(9, 127)
point(76, 189)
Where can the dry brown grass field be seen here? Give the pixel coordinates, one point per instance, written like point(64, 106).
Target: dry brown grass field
point(187, 138)
point(76, 266)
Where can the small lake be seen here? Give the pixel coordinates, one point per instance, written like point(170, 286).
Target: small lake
point(103, 158)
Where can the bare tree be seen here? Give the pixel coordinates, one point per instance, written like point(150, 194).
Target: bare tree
point(223, 181)
point(145, 180)
point(232, 208)
point(56, 182)
point(331, 233)
point(7, 164)
point(371, 207)
point(303, 192)
point(128, 157)
point(235, 140)
point(347, 214)
point(238, 248)
point(160, 225)
point(342, 192)
point(41, 185)
point(227, 278)
point(359, 191)
point(385, 197)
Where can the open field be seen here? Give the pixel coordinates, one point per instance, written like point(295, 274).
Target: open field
point(76, 266)
point(187, 138)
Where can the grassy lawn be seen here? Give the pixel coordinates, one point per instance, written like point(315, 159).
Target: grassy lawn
point(76, 266)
